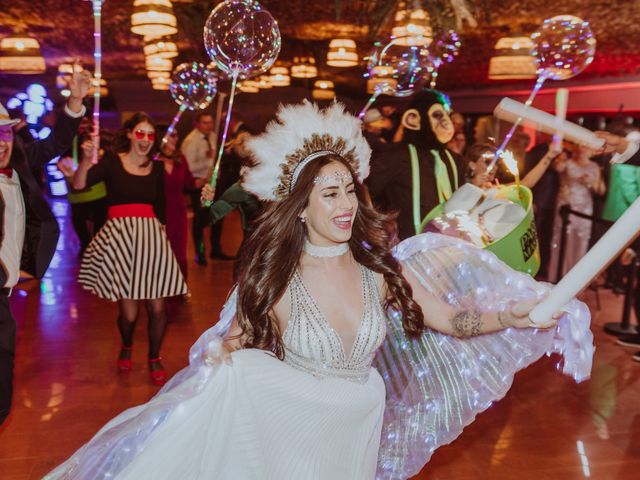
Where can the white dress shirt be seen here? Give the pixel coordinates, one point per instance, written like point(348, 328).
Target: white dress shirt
point(199, 150)
point(13, 228)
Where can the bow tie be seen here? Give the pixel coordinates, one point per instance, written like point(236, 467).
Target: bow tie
point(7, 172)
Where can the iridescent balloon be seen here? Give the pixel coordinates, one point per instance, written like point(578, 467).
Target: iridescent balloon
point(445, 49)
point(398, 70)
point(563, 47)
point(242, 38)
point(193, 85)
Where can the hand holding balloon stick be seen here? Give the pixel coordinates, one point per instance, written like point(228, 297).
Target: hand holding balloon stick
point(243, 40)
point(193, 87)
point(563, 47)
point(396, 70)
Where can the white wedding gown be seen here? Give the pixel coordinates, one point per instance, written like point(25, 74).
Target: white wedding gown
point(324, 413)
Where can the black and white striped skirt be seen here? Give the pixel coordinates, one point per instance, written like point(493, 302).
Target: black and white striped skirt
point(130, 258)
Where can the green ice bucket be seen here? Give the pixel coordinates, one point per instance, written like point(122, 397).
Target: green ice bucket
point(518, 249)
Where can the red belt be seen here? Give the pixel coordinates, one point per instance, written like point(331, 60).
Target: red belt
point(144, 210)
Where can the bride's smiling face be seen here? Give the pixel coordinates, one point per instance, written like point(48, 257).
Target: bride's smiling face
point(332, 206)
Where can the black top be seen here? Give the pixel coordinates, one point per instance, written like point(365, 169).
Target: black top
point(124, 187)
point(390, 183)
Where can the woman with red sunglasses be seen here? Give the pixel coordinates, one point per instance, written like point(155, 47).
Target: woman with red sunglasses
point(130, 259)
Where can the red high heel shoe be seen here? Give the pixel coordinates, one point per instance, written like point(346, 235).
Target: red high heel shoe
point(124, 364)
point(159, 376)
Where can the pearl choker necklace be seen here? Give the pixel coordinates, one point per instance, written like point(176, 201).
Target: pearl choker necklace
point(325, 252)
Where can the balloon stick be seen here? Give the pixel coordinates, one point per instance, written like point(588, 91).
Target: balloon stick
point(516, 124)
point(97, 56)
point(174, 122)
point(371, 101)
point(225, 131)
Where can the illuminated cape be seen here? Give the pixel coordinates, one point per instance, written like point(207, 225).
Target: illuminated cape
point(435, 385)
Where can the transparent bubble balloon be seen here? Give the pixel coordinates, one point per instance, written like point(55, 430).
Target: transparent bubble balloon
point(446, 48)
point(193, 85)
point(563, 47)
point(242, 38)
point(398, 70)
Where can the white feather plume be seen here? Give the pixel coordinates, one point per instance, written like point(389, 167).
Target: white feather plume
point(294, 126)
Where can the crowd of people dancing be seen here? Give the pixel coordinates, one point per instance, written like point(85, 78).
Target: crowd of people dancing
point(332, 260)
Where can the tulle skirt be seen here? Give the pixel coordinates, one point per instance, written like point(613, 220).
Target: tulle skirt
point(256, 419)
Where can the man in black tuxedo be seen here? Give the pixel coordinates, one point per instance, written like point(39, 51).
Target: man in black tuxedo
point(28, 230)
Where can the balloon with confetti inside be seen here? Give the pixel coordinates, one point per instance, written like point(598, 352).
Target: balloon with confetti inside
point(242, 38)
point(563, 47)
point(193, 85)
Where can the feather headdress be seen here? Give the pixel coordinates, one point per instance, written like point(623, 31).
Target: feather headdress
point(300, 133)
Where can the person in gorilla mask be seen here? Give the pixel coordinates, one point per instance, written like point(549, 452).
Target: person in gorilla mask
point(421, 167)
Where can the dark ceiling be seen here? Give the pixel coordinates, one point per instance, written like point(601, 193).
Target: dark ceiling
point(64, 29)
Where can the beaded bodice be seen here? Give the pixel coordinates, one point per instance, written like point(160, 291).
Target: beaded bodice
point(313, 345)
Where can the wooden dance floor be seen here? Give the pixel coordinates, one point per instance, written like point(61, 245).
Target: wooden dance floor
point(66, 385)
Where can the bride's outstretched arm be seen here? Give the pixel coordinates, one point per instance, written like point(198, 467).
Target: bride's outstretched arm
point(444, 318)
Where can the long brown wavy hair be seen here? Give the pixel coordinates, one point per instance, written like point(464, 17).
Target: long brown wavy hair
point(272, 254)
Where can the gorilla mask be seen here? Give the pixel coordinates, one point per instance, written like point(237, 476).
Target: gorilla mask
point(427, 122)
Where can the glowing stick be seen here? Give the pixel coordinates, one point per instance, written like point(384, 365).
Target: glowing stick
point(518, 119)
point(509, 110)
point(97, 56)
point(601, 254)
point(562, 101)
point(225, 131)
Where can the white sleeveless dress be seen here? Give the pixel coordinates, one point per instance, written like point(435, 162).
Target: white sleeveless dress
point(324, 413)
point(317, 415)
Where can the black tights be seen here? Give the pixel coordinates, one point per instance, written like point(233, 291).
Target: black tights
point(157, 323)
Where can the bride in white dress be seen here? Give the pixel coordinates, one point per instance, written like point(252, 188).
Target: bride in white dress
point(283, 386)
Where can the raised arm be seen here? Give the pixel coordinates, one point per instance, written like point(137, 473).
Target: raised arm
point(533, 177)
point(466, 323)
point(87, 173)
point(66, 126)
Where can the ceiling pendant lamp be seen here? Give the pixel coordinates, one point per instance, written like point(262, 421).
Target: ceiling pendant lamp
point(248, 86)
point(160, 83)
point(342, 53)
point(21, 54)
point(160, 47)
point(151, 75)
point(381, 79)
point(157, 64)
point(304, 67)
point(412, 25)
point(264, 82)
point(279, 76)
point(153, 18)
point(512, 59)
point(323, 90)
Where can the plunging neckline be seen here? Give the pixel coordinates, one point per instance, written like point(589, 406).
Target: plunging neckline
point(325, 319)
